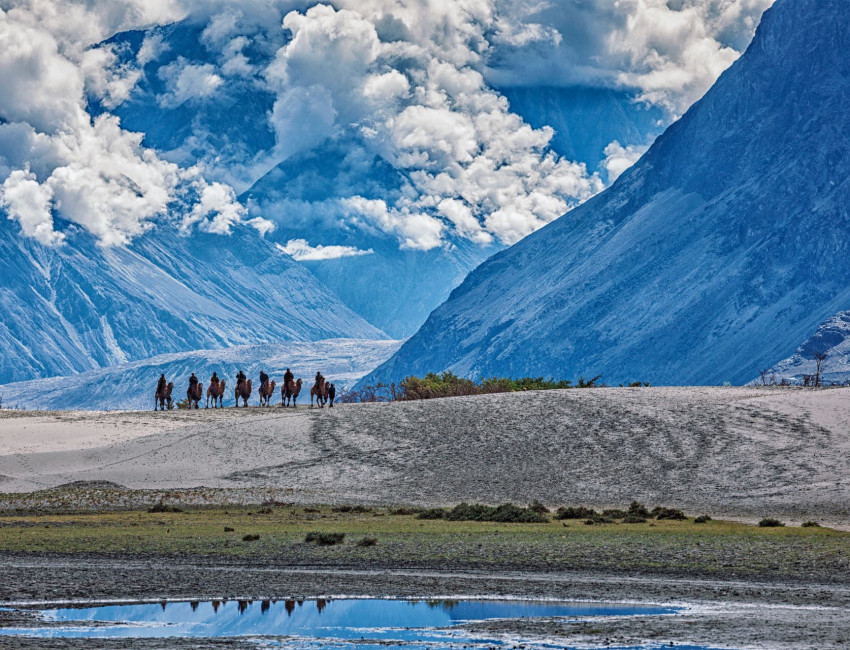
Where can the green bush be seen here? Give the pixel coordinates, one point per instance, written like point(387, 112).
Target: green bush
point(702, 519)
point(353, 509)
point(250, 538)
point(580, 512)
point(505, 513)
point(325, 539)
point(162, 507)
point(639, 510)
point(432, 513)
point(668, 513)
point(538, 507)
point(634, 519)
point(810, 524)
point(614, 513)
point(770, 522)
point(367, 541)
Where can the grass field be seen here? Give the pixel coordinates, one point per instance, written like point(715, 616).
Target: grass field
point(403, 540)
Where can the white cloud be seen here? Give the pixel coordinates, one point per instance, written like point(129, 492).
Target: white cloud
point(300, 249)
point(56, 160)
point(187, 81)
point(619, 158)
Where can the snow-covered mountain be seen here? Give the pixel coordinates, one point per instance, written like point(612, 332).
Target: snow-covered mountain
point(79, 306)
point(831, 338)
point(726, 245)
point(131, 385)
point(393, 288)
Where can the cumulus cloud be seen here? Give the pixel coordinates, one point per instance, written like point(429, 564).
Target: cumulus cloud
point(187, 81)
point(300, 249)
point(56, 159)
point(619, 158)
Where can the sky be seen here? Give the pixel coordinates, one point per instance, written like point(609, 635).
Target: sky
point(412, 82)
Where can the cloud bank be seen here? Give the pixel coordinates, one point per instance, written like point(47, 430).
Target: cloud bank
point(411, 81)
point(56, 158)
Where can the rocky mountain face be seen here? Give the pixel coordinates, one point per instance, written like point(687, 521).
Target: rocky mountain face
point(80, 307)
point(715, 255)
point(832, 338)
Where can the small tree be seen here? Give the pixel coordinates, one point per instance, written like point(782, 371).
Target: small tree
point(820, 358)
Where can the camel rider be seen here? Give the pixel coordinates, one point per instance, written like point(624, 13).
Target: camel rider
point(264, 379)
point(288, 377)
point(214, 378)
point(161, 385)
point(193, 381)
point(319, 379)
point(240, 377)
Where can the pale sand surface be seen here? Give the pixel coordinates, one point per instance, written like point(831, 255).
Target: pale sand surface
point(735, 452)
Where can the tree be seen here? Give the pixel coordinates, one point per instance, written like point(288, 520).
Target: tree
point(819, 358)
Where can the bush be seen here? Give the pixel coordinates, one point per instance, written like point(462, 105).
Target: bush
point(162, 507)
point(505, 513)
point(538, 507)
point(367, 541)
point(770, 522)
point(614, 513)
point(634, 519)
point(810, 524)
point(668, 513)
point(407, 511)
point(639, 510)
point(569, 512)
point(250, 538)
point(702, 519)
point(325, 539)
point(228, 529)
point(432, 513)
point(354, 509)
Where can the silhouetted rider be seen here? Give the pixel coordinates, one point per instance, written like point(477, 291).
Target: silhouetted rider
point(193, 381)
point(288, 377)
point(240, 377)
point(161, 384)
point(264, 378)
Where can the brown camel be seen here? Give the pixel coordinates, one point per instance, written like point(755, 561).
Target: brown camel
point(266, 391)
point(194, 394)
point(216, 391)
point(320, 390)
point(163, 399)
point(290, 392)
point(243, 390)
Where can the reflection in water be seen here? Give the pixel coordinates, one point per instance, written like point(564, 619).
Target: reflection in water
point(336, 623)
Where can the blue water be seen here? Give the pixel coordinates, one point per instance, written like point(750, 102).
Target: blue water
point(313, 624)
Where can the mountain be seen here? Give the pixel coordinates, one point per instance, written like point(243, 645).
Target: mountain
point(715, 255)
point(393, 288)
point(131, 385)
point(831, 338)
point(80, 307)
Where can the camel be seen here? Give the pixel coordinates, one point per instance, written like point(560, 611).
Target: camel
point(321, 392)
point(266, 391)
point(243, 390)
point(216, 391)
point(162, 399)
point(194, 395)
point(290, 392)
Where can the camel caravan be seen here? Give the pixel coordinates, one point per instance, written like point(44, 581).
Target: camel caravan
point(322, 390)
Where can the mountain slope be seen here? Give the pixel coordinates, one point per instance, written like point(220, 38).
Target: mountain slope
point(714, 256)
point(80, 307)
point(832, 338)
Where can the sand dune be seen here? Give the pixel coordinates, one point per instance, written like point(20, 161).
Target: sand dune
point(737, 452)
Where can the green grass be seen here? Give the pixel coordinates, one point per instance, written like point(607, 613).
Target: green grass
point(713, 548)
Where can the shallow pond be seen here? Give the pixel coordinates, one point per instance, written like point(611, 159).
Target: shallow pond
point(344, 623)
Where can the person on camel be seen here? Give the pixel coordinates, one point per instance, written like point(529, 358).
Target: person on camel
point(319, 379)
point(193, 381)
point(264, 379)
point(288, 377)
point(161, 384)
point(240, 377)
point(214, 379)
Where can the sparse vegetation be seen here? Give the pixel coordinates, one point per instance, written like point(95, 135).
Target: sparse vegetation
point(810, 524)
point(163, 507)
point(538, 507)
point(250, 538)
point(702, 519)
point(770, 522)
point(367, 541)
point(660, 512)
point(569, 512)
point(447, 384)
point(505, 513)
point(324, 539)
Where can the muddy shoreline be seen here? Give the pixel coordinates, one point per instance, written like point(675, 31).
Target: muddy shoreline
point(722, 612)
